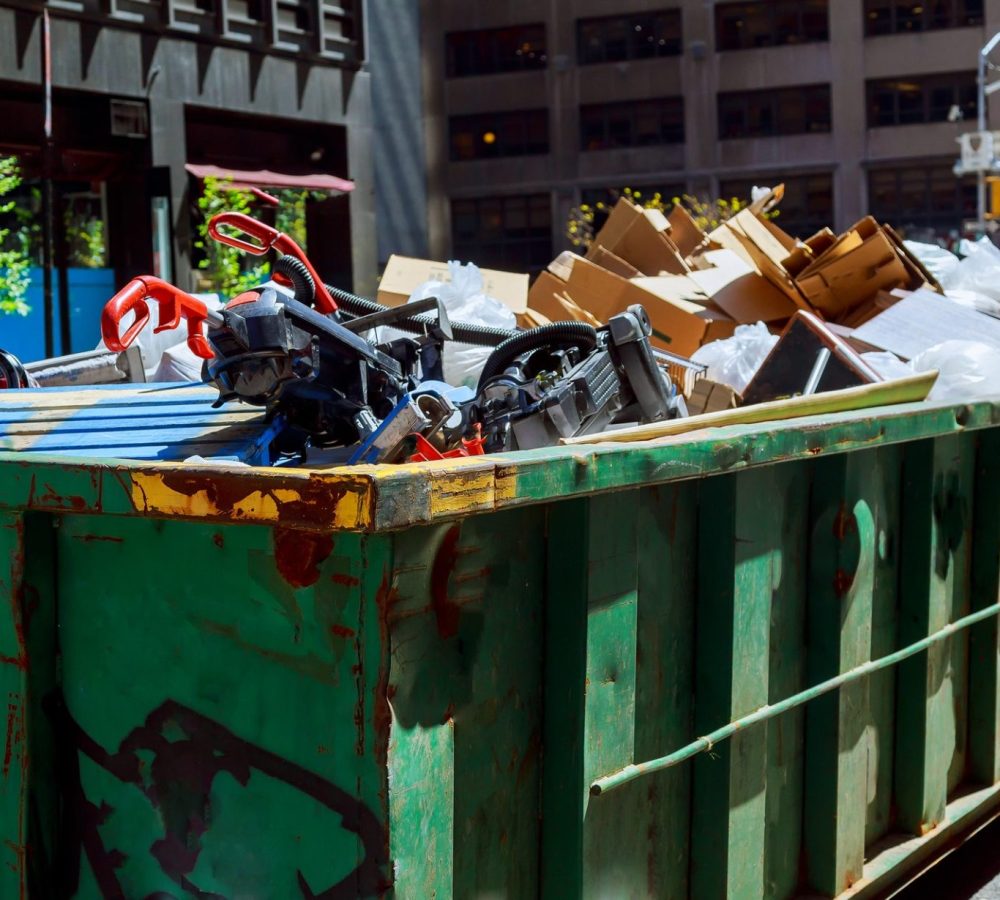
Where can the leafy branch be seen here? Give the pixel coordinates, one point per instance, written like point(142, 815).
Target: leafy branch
point(15, 260)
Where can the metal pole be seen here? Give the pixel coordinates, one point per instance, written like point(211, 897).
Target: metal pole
point(705, 744)
point(47, 198)
point(984, 55)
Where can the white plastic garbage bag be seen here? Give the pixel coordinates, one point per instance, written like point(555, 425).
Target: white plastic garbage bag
point(968, 371)
point(937, 260)
point(178, 363)
point(154, 346)
point(888, 365)
point(979, 272)
point(734, 361)
point(464, 300)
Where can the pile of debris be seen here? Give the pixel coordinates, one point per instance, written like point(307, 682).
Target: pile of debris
point(662, 328)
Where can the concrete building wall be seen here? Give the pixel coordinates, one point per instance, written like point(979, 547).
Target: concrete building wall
point(700, 73)
point(172, 73)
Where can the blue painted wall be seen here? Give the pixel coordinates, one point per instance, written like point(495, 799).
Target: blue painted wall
point(89, 290)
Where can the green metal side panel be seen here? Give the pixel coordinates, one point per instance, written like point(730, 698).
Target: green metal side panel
point(13, 683)
point(740, 568)
point(934, 590)
point(667, 560)
point(984, 644)
point(465, 626)
point(220, 714)
point(787, 676)
point(849, 540)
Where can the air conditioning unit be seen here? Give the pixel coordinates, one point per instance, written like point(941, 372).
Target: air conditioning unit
point(129, 118)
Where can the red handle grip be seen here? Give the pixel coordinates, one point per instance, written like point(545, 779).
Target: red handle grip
point(270, 239)
point(174, 305)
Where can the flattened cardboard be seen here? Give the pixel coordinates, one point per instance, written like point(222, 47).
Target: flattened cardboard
point(684, 232)
point(607, 260)
point(735, 234)
point(639, 236)
point(679, 326)
point(737, 289)
point(403, 275)
point(709, 396)
point(924, 319)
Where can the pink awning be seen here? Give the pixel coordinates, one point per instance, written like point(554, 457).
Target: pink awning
point(267, 179)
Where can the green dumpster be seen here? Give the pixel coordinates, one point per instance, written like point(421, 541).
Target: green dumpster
point(750, 662)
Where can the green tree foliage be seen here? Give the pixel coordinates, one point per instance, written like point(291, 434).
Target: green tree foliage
point(15, 259)
point(225, 269)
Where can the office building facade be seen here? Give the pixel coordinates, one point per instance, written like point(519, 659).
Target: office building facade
point(532, 109)
point(146, 93)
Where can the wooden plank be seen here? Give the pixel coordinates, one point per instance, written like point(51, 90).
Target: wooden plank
point(667, 557)
point(739, 565)
point(934, 583)
point(984, 671)
point(14, 687)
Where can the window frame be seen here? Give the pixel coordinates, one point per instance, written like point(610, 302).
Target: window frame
point(930, 216)
point(771, 104)
point(922, 113)
point(959, 16)
point(505, 249)
point(504, 125)
point(771, 11)
point(632, 110)
point(490, 47)
point(666, 17)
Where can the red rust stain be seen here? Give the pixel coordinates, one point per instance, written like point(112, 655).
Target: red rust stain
point(342, 631)
point(226, 490)
point(844, 523)
point(218, 540)
point(381, 714)
point(299, 554)
point(107, 538)
point(345, 580)
point(322, 751)
point(842, 582)
point(446, 611)
point(529, 761)
point(15, 736)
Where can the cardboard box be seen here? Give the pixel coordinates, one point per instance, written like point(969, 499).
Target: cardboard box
point(708, 397)
point(607, 260)
point(678, 325)
point(641, 238)
point(861, 263)
point(404, 275)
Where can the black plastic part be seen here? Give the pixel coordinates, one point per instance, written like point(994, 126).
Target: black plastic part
point(464, 333)
point(558, 334)
point(12, 373)
point(302, 282)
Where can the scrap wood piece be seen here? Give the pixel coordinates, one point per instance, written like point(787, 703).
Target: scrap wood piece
point(887, 393)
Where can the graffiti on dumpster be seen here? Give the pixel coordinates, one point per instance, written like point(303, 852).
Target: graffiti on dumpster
point(173, 759)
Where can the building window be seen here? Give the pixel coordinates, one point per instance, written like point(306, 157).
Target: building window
point(743, 26)
point(512, 49)
point(493, 135)
point(512, 233)
point(913, 101)
point(807, 206)
point(784, 111)
point(904, 16)
point(643, 123)
point(637, 36)
point(923, 201)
